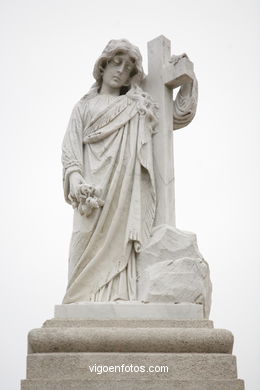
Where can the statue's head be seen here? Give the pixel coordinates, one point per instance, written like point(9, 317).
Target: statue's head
point(115, 48)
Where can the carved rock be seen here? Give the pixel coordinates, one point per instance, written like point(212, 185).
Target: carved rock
point(171, 269)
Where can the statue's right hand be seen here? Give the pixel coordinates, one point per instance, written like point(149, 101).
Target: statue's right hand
point(75, 182)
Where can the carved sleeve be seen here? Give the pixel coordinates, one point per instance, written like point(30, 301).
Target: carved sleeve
point(72, 148)
point(184, 106)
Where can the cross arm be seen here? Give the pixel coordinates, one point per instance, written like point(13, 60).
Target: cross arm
point(179, 73)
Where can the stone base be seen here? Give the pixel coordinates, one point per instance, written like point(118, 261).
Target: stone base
point(144, 353)
point(130, 310)
point(183, 371)
point(178, 366)
point(119, 339)
point(158, 384)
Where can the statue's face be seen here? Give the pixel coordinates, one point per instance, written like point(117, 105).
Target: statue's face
point(117, 72)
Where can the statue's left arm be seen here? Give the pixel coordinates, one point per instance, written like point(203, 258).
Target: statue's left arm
point(185, 104)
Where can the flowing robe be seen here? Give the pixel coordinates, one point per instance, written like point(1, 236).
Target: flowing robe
point(109, 142)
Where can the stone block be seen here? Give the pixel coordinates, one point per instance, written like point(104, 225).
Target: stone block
point(130, 310)
point(141, 323)
point(175, 366)
point(108, 339)
point(149, 384)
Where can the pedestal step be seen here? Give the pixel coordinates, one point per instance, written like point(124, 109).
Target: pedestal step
point(126, 323)
point(133, 385)
point(89, 366)
point(119, 339)
point(130, 310)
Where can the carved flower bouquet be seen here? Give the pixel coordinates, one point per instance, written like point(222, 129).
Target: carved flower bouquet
point(89, 199)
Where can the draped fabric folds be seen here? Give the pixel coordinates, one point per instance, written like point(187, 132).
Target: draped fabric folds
point(184, 106)
point(109, 142)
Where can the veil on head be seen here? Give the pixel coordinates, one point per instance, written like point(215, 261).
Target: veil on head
point(112, 48)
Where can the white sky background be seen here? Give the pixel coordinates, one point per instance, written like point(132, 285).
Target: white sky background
point(48, 51)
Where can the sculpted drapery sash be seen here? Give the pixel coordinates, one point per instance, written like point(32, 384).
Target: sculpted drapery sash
point(117, 155)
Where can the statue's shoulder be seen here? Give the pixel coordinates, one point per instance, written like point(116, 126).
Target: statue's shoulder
point(89, 95)
point(82, 105)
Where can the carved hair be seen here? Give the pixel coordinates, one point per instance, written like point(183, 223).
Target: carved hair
point(119, 46)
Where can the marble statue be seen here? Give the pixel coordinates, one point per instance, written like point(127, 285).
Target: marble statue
point(139, 289)
point(115, 157)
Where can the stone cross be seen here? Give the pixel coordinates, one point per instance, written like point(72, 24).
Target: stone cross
point(163, 76)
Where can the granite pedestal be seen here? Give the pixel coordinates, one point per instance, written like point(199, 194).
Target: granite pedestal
point(99, 346)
